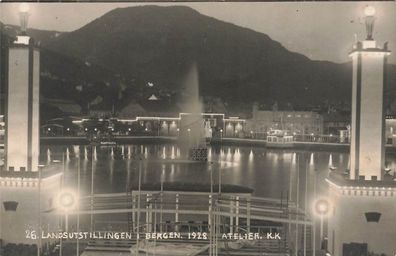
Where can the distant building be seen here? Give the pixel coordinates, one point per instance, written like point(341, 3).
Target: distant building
point(295, 122)
point(345, 135)
point(334, 123)
point(60, 127)
point(216, 125)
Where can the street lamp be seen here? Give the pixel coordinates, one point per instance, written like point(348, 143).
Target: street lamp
point(66, 201)
point(24, 7)
point(24, 16)
point(322, 208)
point(369, 12)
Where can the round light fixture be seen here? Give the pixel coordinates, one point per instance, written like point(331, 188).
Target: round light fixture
point(24, 7)
point(369, 11)
point(67, 200)
point(322, 206)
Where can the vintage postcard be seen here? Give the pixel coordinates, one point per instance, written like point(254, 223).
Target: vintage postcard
point(198, 128)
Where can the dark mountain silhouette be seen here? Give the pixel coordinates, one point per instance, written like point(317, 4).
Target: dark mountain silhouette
point(159, 44)
point(62, 77)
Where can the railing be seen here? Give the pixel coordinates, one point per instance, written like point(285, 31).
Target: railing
point(231, 206)
point(188, 213)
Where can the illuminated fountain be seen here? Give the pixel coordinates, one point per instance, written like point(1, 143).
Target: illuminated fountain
point(192, 125)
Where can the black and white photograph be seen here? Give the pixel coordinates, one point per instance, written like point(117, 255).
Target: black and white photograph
point(198, 128)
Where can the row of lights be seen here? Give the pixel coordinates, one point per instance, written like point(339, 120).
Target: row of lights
point(294, 133)
point(130, 129)
point(146, 129)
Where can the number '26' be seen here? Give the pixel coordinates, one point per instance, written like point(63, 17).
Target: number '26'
point(31, 234)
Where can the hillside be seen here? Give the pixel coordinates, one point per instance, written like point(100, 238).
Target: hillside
point(158, 44)
point(62, 77)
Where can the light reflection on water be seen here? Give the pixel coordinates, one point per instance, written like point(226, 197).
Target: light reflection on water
point(270, 172)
